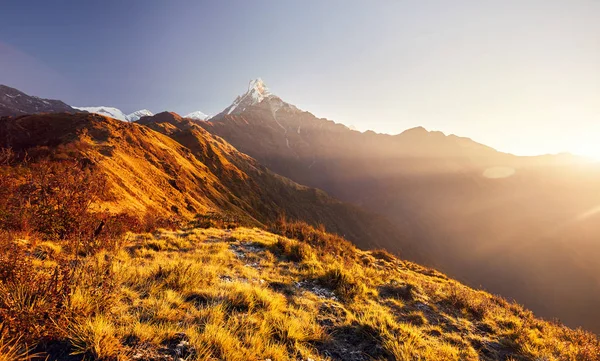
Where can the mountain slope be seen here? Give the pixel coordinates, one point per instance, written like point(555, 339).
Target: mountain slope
point(298, 294)
point(14, 102)
point(263, 186)
point(186, 171)
point(485, 217)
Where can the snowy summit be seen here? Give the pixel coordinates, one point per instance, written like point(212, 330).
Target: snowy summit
point(117, 113)
point(106, 111)
point(138, 114)
point(197, 115)
point(257, 92)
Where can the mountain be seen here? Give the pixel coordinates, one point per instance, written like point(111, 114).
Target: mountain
point(138, 114)
point(117, 113)
point(14, 102)
point(197, 115)
point(99, 271)
point(488, 218)
point(106, 111)
point(256, 93)
point(171, 165)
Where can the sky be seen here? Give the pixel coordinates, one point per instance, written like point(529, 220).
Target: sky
point(520, 76)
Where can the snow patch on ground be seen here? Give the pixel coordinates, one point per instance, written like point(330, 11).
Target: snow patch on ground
point(321, 292)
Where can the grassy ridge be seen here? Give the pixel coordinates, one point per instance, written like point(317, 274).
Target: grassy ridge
point(248, 294)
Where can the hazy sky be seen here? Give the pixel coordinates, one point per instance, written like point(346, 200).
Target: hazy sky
point(520, 76)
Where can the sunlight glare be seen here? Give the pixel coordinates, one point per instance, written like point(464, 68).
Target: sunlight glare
point(588, 213)
point(498, 172)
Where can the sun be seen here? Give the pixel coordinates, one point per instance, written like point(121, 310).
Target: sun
point(590, 151)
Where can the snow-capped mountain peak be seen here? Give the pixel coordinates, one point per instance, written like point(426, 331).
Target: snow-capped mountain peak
point(117, 113)
point(138, 114)
point(106, 111)
point(197, 115)
point(257, 92)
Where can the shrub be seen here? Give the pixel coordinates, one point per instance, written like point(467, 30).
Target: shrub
point(293, 250)
point(477, 304)
point(32, 300)
point(403, 292)
point(50, 197)
point(95, 338)
point(37, 301)
point(243, 297)
point(153, 219)
point(323, 242)
point(342, 283)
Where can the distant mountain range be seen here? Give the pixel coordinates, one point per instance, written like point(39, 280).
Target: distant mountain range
point(117, 113)
point(14, 102)
point(523, 227)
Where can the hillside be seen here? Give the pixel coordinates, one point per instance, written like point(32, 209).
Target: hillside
point(184, 173)
point(247, 294)
point(157, 240)
point(523, 227)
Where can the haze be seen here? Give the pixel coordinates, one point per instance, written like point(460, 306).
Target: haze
point(520, 77)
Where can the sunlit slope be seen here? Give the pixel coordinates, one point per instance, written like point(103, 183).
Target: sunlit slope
point(185, 172)
point(247, 294)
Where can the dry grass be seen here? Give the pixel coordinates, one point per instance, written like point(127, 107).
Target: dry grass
point(13, 350)
point(247, 294)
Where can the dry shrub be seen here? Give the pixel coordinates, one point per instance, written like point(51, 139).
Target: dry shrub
point(293, 250)
point(397, 291)
point(342, 283)
point(323, 242)
point(95, 338)
point(52, 198)
point(477, 304)
point(35, 301)
point(32, 300)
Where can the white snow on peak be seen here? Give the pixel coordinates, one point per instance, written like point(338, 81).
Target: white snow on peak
point(257, 92)
point(106, 111)
point(198, 115)
point(138, 114)
point(117, 113)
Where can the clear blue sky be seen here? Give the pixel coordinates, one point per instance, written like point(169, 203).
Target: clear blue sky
point(521, 76)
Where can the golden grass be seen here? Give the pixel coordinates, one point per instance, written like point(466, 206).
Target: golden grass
point(247, 294)
point(12, 350)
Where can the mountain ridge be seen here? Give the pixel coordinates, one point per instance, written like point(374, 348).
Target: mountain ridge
point(14, 102)
point(170, 164)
